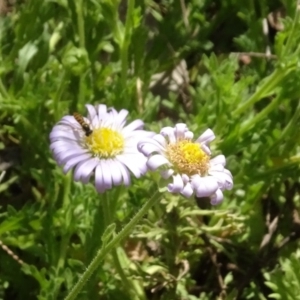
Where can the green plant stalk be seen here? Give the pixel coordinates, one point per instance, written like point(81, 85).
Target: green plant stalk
point(105, 249)
point(247, 125)
point(129, 286)
point(59, 94)
point(291, 34)
point(65, 238)
point(288, 130)
point(80, 24)
point(126, 42)
point(268, 86)
point(3, 90)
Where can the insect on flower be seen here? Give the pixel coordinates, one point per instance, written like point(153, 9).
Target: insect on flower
point(85, 126)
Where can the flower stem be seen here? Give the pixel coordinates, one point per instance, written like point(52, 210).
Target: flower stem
point(126, 42)
point(80, 28)
point(106, 248)
point(131, 287)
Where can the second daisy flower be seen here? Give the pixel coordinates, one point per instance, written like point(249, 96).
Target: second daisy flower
point(188, 162)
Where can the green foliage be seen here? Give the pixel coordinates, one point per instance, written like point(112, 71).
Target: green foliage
point(203, 63)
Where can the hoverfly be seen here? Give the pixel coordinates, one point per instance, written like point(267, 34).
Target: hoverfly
point(85, 126)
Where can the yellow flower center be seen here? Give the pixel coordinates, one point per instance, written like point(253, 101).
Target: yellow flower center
point(188, 158)
point(105, 142)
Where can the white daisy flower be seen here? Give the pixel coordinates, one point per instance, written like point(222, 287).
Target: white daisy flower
point(100, 145)
point(176, 155)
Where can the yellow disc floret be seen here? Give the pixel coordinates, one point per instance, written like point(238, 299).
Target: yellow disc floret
point(105, 142)
point(188, 158)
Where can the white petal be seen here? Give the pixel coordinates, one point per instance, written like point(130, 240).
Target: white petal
point(216, 168)
point(137, 135)
point(166, 173)
point(157, 161)
point(102, 111)
point(116, 172)
point(106, 169)
point(99, 183)
point(125, 175)
point(177, 185)
point(75, 160)
point(137, 124)
point(185, 178)
point(205, 186)
point(85, 169)
point(180, 130)
point(189, 135)
point(160, 139)
point(148, 148)
point(168, 133)
point(64, 157)
point(228, 173)
point(205, 149)
point(187, 191)
point(224, 180)
point(56, 145)
point(69, 121)
point(220, 159)
point(206, 137)
point(216, 198)
point(130, 161)
point(62, 135)
point(91, 112)
point(121, 120)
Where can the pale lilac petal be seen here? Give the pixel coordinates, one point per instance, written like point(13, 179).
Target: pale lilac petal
point(99, 183)
point(67, 155)
point(62, 134)
point(106, 169)
point(204, 186)
point(122, 117)
point(160, 139)
point(130, 162)
point(189, 135)
point(219, 159)
point(137, 135)
point(166, 173)
point(57, 144)
point(157, 161)
point(135, 125)
point(92, 112)
point(187, 191)
point(116, 172)
point(177, 185)
point(125, 174)
point(75, 160)
point(69, 121)
point(205, 149)
point(216, 198)
point(168, 133)
point(102, 111)
point(206, 137)
point(185, 178)
point(84, 170)
point(216, 168)
point(180, 130)
point(228, 173)
point(65, 147)
point(149, 147)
